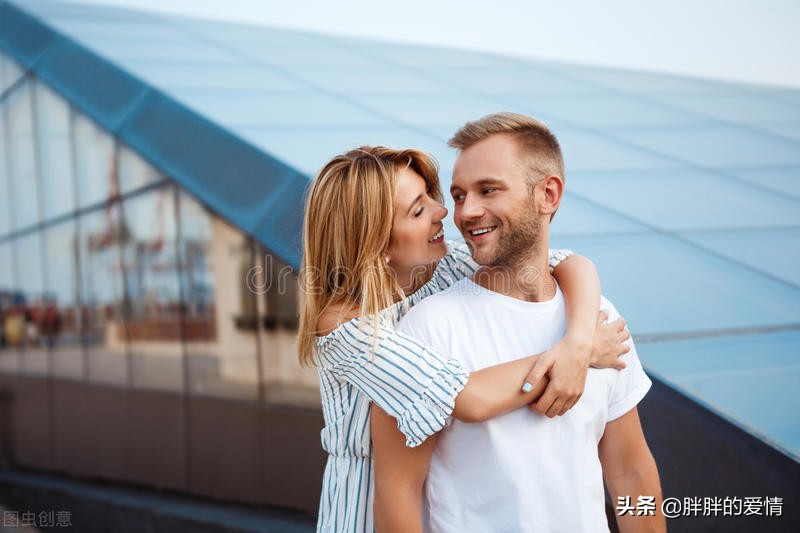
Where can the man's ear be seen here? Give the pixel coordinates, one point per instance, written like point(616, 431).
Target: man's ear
point(552, 191)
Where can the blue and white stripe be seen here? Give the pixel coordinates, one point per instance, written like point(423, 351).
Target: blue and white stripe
point(409, 380)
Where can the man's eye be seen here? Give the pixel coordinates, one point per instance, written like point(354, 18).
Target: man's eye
point(458, 197)
point(489, 190)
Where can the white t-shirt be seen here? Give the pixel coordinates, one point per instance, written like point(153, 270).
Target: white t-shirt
point(521, 471)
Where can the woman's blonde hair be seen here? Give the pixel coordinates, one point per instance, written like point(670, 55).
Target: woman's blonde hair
point(347, 232)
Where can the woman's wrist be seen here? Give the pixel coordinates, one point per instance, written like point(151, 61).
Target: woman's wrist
point(579, 344)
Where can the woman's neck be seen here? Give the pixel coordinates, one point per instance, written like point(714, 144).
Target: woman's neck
point(413, 279)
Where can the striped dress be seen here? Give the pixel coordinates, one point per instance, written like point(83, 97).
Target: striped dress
point(409, 380)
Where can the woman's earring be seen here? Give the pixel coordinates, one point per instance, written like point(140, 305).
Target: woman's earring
point(387, 258)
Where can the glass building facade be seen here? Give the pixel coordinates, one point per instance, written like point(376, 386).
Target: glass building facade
point(111, 273)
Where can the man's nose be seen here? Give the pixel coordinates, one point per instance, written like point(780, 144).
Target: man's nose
point(471, 207)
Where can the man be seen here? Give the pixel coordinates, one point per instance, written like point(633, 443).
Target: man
point(521, 471)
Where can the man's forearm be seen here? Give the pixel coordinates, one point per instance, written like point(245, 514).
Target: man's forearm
point(639, 479)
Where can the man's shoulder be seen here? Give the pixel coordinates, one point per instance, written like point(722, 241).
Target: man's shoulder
point(607, 306)
point(438, 306)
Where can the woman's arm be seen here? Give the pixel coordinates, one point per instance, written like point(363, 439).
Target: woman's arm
point(399, 475)
point(567, 362)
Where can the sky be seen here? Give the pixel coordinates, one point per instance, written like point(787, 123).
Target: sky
point(753, 41)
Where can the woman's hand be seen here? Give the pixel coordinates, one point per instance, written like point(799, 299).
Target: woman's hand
point(609, 343)
point(566, 365)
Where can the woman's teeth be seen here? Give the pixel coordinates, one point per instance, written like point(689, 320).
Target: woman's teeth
point(439, 233)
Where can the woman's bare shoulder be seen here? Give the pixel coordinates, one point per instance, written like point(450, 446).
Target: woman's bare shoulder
point(334, 316)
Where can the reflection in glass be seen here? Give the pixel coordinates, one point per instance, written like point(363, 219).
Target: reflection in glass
point(151, 278)
point(60, 320)
point(11, 314)
point(22, 165)
point(10, 72)
point(95, 169)
point(220, 321)
point(101, 234)
point(5, 178)
point(55, 160)
point(27, 256)
point(285, 381)
point(134, 172)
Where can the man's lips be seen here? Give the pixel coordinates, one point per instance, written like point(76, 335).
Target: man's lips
point(480, 233)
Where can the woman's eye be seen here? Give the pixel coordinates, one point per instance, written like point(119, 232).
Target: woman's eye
point(418, 212)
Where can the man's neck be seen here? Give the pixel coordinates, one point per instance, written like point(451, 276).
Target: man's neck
point(529, 279)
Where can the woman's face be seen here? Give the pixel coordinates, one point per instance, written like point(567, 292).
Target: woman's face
point(417, 232)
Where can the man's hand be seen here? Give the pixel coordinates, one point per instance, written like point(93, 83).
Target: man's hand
point(609, 343)
point(566, 365)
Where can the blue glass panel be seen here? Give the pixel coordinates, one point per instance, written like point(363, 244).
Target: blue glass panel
point(587, 151)
point(54, 152)
point(715, 146)
point(172, 75)
point(782, 179)
point(788, 131)
point(576, 216)
point(10, 72)
point(289, 109)
point(423, 56)
point(378, 79)
point(318, 52)
point(644, 83)
point(662, 285)
point(743, 377)
point(21, 152)
point(750, 108)
point(775, 251)
point(687, 199)
point(510, 79)
point(309, 149)
point(445, 111)
point(602, 109)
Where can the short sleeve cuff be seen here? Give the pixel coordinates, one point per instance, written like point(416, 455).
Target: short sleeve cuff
point(555, 256)
point(428, 414)
point(630, 401)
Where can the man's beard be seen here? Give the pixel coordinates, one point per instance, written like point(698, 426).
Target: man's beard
point(515, 242)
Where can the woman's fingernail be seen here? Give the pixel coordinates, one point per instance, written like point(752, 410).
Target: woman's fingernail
point(527, 387)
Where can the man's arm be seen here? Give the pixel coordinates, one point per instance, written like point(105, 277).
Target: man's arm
point(400, 472)
point(630, 470)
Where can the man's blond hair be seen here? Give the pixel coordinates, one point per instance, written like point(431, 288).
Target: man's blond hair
point(539, 150)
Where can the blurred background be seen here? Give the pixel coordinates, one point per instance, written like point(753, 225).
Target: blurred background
point(154, 158)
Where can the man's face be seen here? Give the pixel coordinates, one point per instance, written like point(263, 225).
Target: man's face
point(494, 207)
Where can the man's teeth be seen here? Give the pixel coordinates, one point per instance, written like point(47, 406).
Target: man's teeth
point(481, 231)
point(438, 234)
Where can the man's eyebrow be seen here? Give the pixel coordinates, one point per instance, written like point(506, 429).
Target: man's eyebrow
point(482, 181)
point(417, 199)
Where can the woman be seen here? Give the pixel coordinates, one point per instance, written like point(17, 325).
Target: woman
point(368, 257)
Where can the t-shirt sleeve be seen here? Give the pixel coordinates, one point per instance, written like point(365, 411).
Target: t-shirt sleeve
point(556, 255)
point(409, 380)
point(632, 383)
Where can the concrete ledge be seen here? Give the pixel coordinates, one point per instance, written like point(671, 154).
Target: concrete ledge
point(102, 507)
